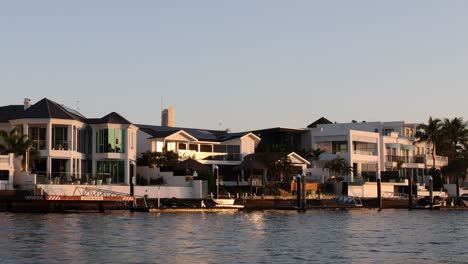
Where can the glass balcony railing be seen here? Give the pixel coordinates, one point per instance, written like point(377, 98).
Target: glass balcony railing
point(405, 159)
point(60, 145)
point(365, 152)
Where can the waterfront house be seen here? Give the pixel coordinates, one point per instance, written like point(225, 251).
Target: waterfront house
point(221, 150)
point(371, 148)
point(72, 147)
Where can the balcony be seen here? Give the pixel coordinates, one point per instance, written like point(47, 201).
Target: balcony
point(60, 145)
point(405, 159)
point(440, 161)
point(229, 157)
point(365, 153)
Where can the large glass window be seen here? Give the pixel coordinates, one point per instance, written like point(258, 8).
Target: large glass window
point(110, 140)
point(327, 146)
point(233, 152)
point(38, 136)
point(339, 147)
point(84, 141)
point(115, 169)
point(206, 148)
point(4, 175)
point(60, 138)
point(365, 148)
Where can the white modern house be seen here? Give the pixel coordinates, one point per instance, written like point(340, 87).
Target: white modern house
point(374, 147)
point(6, 172)
point(72, 147)
point(218, 149)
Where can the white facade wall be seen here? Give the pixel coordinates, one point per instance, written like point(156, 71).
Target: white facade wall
point(369, 189)
point(381, 133)
point(6, 164)
point(70, 152)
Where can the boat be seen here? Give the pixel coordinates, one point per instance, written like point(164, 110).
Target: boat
point(349, 201)
point(225, 203)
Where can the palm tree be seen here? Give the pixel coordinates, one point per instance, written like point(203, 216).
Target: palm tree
point(157, 159)
point(18, 144)
point(316, 155)
point(430, 133)
point(339, 165)
point(399, 166)
point(283, 166)
point(455, 136)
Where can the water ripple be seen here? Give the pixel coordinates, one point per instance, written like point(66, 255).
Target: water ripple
point(366, 236)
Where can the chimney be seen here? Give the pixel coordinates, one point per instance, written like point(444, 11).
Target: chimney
point(27, 103)
point(167, 117)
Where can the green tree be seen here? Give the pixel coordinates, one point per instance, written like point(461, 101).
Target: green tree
point(399, 166)
point(430, 133)
point(18, 144)
point(316, 155)
point(454, 137)
point(158, 159)
point(339, 165)
point(283, 166)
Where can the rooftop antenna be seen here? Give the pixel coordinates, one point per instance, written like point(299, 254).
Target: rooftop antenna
point(77, 105)
point(219, 125)
point(161, 104)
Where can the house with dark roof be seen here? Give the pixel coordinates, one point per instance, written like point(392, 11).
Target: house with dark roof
point(71, 146)
point(210, 147)
point(281, 139)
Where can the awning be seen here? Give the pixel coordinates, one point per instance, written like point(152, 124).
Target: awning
point(393, 145)
point(407, 147)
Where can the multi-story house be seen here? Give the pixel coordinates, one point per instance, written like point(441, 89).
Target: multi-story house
point(72, 147)
point(372, 147)
point(218, 149)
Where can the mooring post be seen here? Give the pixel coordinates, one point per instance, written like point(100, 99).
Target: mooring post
point(379, 191)
point(298, 190)
point(410, 191)
point(431, 186)
point(304, 201)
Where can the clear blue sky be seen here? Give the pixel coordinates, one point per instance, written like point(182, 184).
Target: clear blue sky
point(246, 64)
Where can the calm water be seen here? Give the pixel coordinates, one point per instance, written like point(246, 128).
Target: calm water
point(360, 236)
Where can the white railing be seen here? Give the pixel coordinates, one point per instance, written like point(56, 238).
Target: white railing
point(367, 153)
point(198, 155)
point(4, 159)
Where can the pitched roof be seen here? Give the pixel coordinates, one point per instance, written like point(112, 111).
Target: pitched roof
point(46, 108)
point(10, 112)
point(200, 134)
point(112, 118)
point(320, 121)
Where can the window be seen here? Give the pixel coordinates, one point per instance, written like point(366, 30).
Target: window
point(84, 143)
point(110, 140)
point(387, 131)
point(60, 137)
point(170, 146)
point(327, 146)
point(364, 148)
point(206, 148)
point(182, 146)
point(339, 147)
point(233, 152)
point(115, 169)
point(38, 136)
point(193, 147)
point(4, 175)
